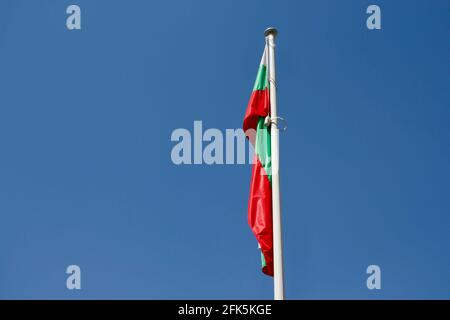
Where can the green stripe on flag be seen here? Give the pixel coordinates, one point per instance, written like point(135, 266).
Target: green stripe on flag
point(262, 147)
point(263, 260)
point(261, 78)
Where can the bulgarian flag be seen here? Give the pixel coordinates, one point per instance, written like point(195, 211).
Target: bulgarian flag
point(260, 201)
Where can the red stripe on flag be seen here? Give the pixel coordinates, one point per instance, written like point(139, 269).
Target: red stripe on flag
point(260, 213)
point(258, 106)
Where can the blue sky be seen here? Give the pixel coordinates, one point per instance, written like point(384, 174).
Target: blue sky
point(86, 176)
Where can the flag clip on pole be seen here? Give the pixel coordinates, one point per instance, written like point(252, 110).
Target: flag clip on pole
point(278, 279)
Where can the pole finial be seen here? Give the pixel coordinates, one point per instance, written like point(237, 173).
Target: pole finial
point(271, 30)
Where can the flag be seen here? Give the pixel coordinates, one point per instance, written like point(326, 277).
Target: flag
point(260, 200)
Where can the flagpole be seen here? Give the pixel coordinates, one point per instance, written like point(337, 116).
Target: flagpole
point(278, 279)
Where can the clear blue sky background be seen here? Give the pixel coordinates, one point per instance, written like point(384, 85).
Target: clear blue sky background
point(86, 176)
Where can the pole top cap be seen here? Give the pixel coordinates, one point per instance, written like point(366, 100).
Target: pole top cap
point(271, 30)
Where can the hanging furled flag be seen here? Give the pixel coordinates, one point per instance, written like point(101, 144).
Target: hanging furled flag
point(258, 132)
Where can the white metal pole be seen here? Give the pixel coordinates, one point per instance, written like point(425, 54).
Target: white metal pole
point(278, 280)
